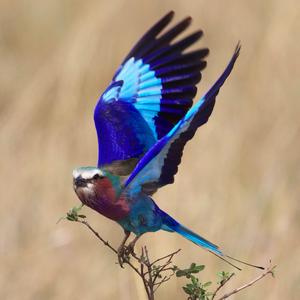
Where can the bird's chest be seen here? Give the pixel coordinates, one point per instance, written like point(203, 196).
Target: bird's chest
point(105, 201)
point(114, 209)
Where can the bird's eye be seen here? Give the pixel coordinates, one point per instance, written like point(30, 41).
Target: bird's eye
point(97, 176)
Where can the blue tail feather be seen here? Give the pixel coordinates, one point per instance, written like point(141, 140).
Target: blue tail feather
point(169, 224)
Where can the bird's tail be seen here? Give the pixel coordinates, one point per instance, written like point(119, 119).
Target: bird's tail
point(169, 224)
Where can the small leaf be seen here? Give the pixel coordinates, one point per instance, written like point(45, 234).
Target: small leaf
point(74, 210)
point(71, 218)
point(198, 269)
point(273, 273)
point(180, 273)
point(194, 280)
point(223, 276)
point(187, 290)
point(206, 284)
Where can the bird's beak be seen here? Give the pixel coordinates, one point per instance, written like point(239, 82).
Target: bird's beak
point(79, 182)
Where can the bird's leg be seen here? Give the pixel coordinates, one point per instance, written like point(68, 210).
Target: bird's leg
point(130, 247)
point(122, 248)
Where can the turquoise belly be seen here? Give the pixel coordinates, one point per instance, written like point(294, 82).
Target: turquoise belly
point(143, 217)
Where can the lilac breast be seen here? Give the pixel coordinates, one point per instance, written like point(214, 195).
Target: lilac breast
point(115, 210)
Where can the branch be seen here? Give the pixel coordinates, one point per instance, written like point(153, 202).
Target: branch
point(152, 272)
point(269, 270)
point(106, 243)
point(170, 256)
point(154, 275)
point(222, 283)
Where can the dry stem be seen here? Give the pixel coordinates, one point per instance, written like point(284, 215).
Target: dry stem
point(151, 274)
point(269, 270)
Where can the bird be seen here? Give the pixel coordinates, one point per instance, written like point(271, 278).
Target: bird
point(143, 120)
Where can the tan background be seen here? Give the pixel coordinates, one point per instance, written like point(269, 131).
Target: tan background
point(238, 184)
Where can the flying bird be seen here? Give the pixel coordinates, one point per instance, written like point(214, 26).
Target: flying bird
point(143, 121)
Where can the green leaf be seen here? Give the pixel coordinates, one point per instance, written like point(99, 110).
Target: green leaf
point(71, 218)
point(273, 272)
point(180, 273)
point(194, 280)
point(193, 265)
point(206, 284)
point(223, 276)
point(197, 269)
point(187, 290)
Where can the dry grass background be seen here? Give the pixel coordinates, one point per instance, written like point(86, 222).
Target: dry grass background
point(239, 181)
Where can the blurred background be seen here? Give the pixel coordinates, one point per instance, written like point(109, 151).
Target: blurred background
point(239, 181)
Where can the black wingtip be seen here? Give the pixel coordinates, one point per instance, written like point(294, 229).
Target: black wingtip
point(197, 34)
point(151, 33)
point(169, 16)
point(188, 20)
point(237, 49)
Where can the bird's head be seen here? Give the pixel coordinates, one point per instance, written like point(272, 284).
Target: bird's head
point(92, 182)
point(87, 177)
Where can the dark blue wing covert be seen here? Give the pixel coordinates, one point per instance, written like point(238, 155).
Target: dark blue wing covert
point(151, 91)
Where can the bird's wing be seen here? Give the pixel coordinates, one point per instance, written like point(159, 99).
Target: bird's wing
point(151, 91)
point(159, 165)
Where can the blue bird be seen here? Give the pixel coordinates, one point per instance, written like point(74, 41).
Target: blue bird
point(143, 121)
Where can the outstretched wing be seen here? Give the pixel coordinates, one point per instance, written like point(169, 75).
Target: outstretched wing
point(151, 91)
point(159, 165)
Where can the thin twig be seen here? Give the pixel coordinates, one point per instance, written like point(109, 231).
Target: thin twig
point(161, 269)
point(268, 271)
point(222, 283)
point(150, 283)
point(166, 256)
point(158, 284)
point(106, 243)
point(150, 279)
point(151, 275)
point(146, 285)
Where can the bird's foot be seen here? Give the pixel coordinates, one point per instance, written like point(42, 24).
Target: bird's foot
point(123, 255)
point(130, 250)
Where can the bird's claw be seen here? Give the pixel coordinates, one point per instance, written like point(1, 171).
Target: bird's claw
point(130, 250)
point(124, 253)
point(123, 256)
